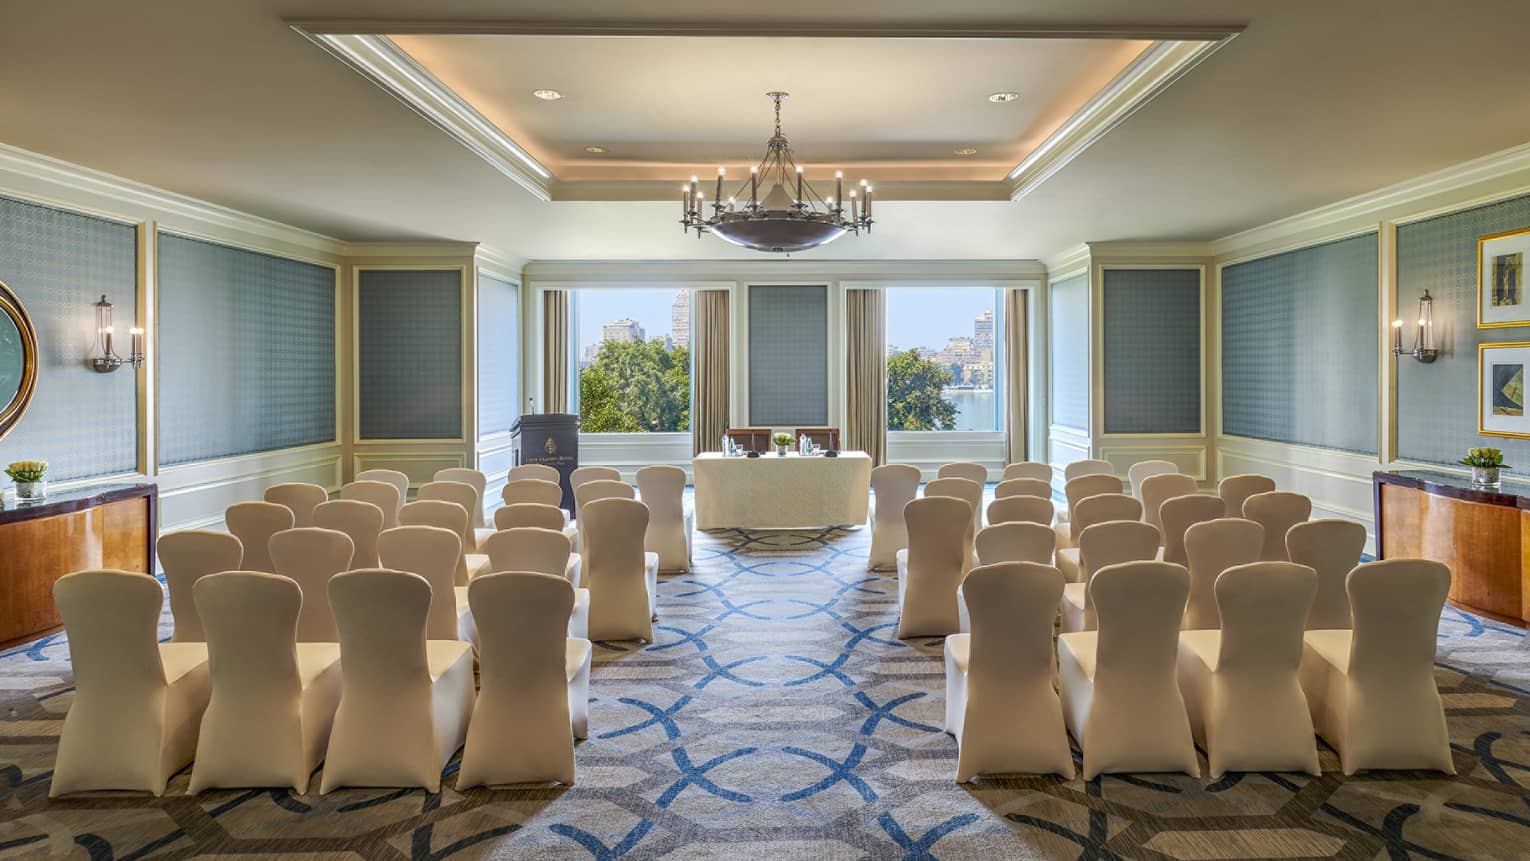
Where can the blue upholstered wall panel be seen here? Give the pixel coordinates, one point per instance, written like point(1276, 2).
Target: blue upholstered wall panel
point(59, 263)
point(409, 323)
point(1152, 350)
point(1437, 403)
point(788, 355)
point(1299, 346)
point(1069, 304)
point(499, 354)
point(247, 351)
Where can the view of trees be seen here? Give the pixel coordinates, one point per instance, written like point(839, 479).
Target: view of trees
point(915, 396)
point(636, 386)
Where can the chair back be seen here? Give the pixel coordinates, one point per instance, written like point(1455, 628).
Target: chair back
point(1088, 467)
point(443, 515)
point(593, 473)
point(399, 481)
point(252, 621)
point(253, 523)
point(1236, 489)
point(538, 471)
point(1023, 487)
point(299, 496)
point(1396, 605)
point(1330, 547)
point(1029, 469)
point(607, 484)
point(478, 480)
point(1015, 542)
point(1157, 489)
point(382, 494)
point(966, 490)
point(311, 556)
point(528, 514)
point(1211, 548)
point(111, 621)
point(1085, 486)
point(382, 617)
point(1138, 606)
point(522, 622)
point(544, 551)
point(362, 521)
point(663, 490)
point(965, 469)
point(1144, 469)
point(824, 438)
point(457, 492)
point(1011, 605)
point(1263, 606)
point(1178, 514)
point(187, 557)
point(1103, 508)
point(1113, 542)
point(1021, 509)
point(751, 439)
point(1277, 511)
point(532, 490)
point(614, 569)
point(432, 553)
point(937, 538)
point(893, 485)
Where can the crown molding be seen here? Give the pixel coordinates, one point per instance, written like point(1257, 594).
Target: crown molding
point(773, 27)
point(1067, 263)
point(1117, 252)
point(1157, 67)
point(356, 252)
point(497, 261)
point(928, 272)
point(644, 190)
point(388, 66)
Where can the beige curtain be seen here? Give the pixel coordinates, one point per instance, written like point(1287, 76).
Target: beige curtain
point(1016, 357)
point(709, 350)
point(866, 372)
point(555, 351)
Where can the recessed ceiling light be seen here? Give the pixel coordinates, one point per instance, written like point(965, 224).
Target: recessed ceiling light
point(965, 150)
point(1000, 98)
point(547, 95)
point(596, 150)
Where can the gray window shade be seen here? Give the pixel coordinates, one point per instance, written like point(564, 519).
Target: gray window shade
point(1152, 351)
point(788, 355)
point(410, 326)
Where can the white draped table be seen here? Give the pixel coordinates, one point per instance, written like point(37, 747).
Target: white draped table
point(774, 492)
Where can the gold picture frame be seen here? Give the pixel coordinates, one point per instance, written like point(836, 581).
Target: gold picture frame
point(1504, 303)
point(1503, 413)
point(13, 314)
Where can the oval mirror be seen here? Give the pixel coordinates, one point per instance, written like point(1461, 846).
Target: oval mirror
point(18, 360)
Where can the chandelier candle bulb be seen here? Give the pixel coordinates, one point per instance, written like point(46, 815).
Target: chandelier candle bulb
point(800, 201)
point(868, 203)
point(839, 185)
point(721, 172)
point(754, 187)
point(1397, 326)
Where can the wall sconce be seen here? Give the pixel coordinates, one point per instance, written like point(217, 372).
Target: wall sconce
point(105, 359)
point(1423, 341)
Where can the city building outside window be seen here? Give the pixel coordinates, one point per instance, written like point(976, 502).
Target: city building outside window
point(632, 351)
point(944, 359)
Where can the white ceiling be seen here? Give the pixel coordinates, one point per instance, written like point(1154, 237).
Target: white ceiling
point(1313, 102)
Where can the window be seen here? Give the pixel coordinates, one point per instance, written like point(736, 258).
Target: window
point(633, 354)
point(944, 359)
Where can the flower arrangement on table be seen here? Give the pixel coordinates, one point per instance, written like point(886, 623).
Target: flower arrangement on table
point(1485, 464)
point(28, 475)
point(782, 441)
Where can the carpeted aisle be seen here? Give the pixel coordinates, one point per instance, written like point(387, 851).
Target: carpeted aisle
point(778, 718)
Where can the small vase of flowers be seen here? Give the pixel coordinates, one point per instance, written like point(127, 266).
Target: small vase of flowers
point(783, 442)
point(1485, 464)
point(28, 475)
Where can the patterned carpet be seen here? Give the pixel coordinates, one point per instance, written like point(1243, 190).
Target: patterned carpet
point(777, 716)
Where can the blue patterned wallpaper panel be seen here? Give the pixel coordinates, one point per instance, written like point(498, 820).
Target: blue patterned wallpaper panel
point(59, 263)
point(247, 351)
point(499, 354)
point(1069, 303)
point(1151, 343)
point(409, 324)
point(1437, 403)
point(1299, 346)
point(788, 356)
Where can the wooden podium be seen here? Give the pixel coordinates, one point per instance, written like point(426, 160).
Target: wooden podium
point(551, 439)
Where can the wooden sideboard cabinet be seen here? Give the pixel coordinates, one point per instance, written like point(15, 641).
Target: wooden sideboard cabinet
point(1483, 535)
point(108, 526)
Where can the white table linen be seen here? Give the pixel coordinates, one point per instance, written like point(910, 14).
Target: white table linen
point(774, 492)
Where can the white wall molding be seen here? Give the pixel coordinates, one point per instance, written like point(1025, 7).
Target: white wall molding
point(929, 450)
point(1068, 263)
point(634, 272)
point(1338, 482)
point(1188, 454)
point(630, 452)
point(192, 495)
point(356, 252)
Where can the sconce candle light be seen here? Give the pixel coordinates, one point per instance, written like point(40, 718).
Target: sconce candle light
point(105, 360)
point(1424, 348)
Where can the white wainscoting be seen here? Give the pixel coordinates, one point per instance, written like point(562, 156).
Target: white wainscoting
point(1339, 482)
point(420, 464)
point(1187, 453)
point(495, 457)
point(1064, 446)
point(630, 452)
point(194, 495)
point(929, 450)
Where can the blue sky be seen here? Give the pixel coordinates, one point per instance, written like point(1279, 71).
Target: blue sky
point(598, 307)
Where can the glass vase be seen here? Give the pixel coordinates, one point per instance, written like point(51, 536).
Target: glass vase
point(27, 491)
point(1486, 477)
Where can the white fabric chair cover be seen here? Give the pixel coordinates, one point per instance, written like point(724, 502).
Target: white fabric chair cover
point(585, 474)
point(311, 556)
point(1240, 687)
point(273, 699)
point(1022, 509)
point(964, 469)
point(1211, 548)
point(1120, 693)
point(539, 471)
point(253, 523)
point(299, 496)
point(480, 483)
point(187, 557)
point(137, 703)
point(362, 521)
point(1332, 548)
point(938, 556)
point(1100, 508)
point(433, 553)
point(382, 494)
point(893, 485)
point(1088, 467)
point(669, 523)
point(532, 490)
point(446, 515)
point(461, 493)
point(1144, 469)
point(1371, 690)
point(399, 480)
point(1277, 511)
point(1179, 513)
point(1015, 542)
point(1110, 543)
point(1023, 487)
point(1158, 489)
point(528, 514)
point(1000, 704)
point(1236, 489)
point(621, 577)
point(1029, 469)
point(543, 551)
point(534, 693)
point(964, 489)
point(600, 488)
point(1076, 490)
point(404, 700)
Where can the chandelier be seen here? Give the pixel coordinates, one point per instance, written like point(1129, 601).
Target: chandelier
point(791, 216)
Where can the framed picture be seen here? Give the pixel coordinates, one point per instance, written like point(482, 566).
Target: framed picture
point(1501, 372)
point(1501, 299)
